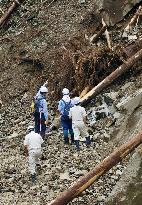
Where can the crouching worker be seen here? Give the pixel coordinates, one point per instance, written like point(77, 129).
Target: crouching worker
point(32, 148)
point(78, 115)
point(64, 106)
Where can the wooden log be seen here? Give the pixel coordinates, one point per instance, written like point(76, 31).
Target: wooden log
point(132, 48)
point(93, 39)
point(109, 79)
point(35, 62)
point(25, 59)
point(84, 182)
point(6, 15)
point(85, 91)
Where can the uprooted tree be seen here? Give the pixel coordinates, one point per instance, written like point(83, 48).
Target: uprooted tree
point(121, 69)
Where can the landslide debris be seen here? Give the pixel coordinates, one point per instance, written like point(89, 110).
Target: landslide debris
point(59, 37)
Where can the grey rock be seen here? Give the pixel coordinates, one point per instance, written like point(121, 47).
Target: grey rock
point(131, 102)
point(14, 135)
point(101, 198)
point(118, 172)
point(64, 175)
point(82, 1)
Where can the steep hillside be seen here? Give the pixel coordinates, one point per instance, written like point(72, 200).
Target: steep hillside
point(52, 40)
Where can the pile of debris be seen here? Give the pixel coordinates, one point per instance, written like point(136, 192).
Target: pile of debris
point(88, 55)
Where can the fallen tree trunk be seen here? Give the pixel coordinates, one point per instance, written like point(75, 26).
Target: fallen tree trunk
point(34, 62)
point(109, 79)
point(26, 59)
point(132, 48)
point(85, 91)
point(6, 16)
point(86, 181)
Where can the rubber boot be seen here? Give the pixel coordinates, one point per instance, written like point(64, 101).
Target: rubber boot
point(44, 144)
point(72, 136)
point(42, 135)
point(72, 139)
point(88, 141)
point(38, 168)
point(33, 177)
point(66, 139)
point(77, 145)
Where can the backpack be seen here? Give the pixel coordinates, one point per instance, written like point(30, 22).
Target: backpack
point(35, 106)
point(67, 107)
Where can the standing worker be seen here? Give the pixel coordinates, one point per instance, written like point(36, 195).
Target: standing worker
point(64, 106)
point(78, 116)
point(41, 112)
point(32, 148)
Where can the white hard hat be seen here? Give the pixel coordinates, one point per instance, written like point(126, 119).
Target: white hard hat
point(65, 91)
point(30, 128)
point(76, 100)
point(43, 89)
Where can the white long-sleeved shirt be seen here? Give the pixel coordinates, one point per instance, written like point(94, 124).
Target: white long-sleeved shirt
point(33, 140)
point(77, 113)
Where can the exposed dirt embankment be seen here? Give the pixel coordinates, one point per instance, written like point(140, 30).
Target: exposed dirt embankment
point(58, 34)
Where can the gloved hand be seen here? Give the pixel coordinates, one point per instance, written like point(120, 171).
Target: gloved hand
point(46, 122)
point(26, 154)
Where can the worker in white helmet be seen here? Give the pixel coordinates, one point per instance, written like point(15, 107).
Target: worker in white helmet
point(32, 148)
point(44, 85)
point(41, 111)
point(78, 116)
point(64, 106)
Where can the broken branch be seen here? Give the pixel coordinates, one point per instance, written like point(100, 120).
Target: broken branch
point(134, 19)
point(107, 34)
point(47, 1)
point(84, 182)
point(109, 79)
point(93, 39)
point(6, 16)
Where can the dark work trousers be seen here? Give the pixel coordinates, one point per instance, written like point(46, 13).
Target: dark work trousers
point(67, 127)
point(40, 126)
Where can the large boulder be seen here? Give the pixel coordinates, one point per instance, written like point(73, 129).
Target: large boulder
point(117, 9)
point(114, 11)
point(130, 103)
